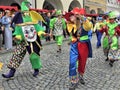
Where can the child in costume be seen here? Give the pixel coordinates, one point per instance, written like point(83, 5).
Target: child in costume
point(72, 29)
point(57, 25)
point(91, 31)
point(84, 47)
point(80, 47)
point(97, 27)
point(110, 41)
point(27, 33)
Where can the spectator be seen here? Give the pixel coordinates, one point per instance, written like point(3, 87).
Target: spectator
point(1, 29)
point(57, 25)
point(6, 21)
point(47, 19)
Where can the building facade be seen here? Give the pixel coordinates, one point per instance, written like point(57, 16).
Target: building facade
point(95, 6)
point(113, 5)
point(65, 5)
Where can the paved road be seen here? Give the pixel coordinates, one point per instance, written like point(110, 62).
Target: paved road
point(54, 73)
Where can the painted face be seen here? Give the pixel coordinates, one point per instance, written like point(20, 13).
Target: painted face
point(72, 18)
point(111, 20)
point(29, 33)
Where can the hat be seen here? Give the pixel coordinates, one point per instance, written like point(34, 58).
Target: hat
point(33, 17)
point(58, 12)
point(76, 10)
point(89, 18)
point(112, 15)
point(67, 16)
point(24, 6)
point(99, 18)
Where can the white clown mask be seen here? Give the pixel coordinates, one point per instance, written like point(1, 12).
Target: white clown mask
point(29, 33)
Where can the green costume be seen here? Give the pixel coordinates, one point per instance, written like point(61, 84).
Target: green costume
point(27, 33)
point(30, 31)
point(57, 26)
point(110, 41)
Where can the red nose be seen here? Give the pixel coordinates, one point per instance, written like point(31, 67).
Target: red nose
point(34, 32)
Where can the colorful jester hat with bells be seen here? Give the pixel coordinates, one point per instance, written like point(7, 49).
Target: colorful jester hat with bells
point(27, 24)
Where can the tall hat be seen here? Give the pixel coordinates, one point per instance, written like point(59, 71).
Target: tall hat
point(34, 16)
point(24, 6)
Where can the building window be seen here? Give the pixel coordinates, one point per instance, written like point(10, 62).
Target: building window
point(100, 11)
point(87, 9)
point(92, 12)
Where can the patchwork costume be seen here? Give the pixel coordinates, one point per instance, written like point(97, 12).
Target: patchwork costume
point(110, 41)
point(27, 34)
point(57, 26)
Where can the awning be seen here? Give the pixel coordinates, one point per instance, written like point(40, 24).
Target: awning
point(8, 8)
point(91, 15)
point(40, 10)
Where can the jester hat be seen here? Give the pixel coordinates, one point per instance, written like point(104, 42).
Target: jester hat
point(33, 17)
point(25, 17)
point(112, 15)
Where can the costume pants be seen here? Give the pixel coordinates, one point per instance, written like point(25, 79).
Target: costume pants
point(82, 56)
point(73, 59)
point(99, 36)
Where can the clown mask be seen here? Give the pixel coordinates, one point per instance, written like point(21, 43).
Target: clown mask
point(29, 33)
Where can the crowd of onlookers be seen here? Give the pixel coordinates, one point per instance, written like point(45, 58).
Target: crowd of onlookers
point(5, 30)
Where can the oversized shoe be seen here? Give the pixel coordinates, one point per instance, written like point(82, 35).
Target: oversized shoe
point(36, 72)
point(10, 74)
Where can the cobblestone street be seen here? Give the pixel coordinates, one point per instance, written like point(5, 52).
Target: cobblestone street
point(54, 73)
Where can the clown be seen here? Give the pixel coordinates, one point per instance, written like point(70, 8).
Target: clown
point(27, 34)
point(110, 41)
point(97, 27)
point(80, 46)
point(57, 26)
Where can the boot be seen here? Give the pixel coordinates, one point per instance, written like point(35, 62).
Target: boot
point(111, 63)
point(81, 79)
point(36, 72)
point(106, 59)
point(10, 74)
